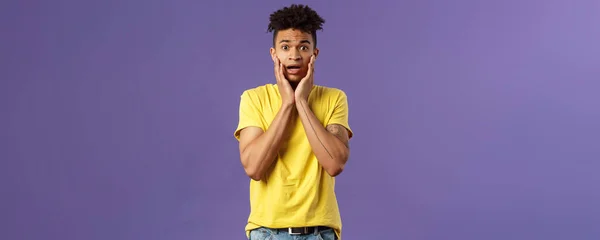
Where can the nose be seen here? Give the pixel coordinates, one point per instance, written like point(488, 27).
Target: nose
point(294, 55)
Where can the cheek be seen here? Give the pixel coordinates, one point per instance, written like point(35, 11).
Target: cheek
point(307, 58)
point(282, 57)
point(307, 61)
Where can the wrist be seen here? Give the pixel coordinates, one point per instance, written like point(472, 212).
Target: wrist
point(301, 100)
point(288, 104)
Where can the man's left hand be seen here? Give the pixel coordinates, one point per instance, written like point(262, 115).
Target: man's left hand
point(305, 86)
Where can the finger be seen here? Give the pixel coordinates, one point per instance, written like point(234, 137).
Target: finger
point(311, 70)
point(279, 66)
point(276, 71)
point(309, 73)
point(281, 72)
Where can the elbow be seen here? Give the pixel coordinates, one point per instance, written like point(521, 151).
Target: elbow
point(335, 169)
point(251, 169)
point(334, 172)
point(255, 177)
point(253, 173)
point(337, 165)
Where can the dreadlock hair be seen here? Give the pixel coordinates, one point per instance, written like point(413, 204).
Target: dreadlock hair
point(296, 16)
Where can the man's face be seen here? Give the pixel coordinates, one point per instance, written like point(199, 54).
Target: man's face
point(294, 49)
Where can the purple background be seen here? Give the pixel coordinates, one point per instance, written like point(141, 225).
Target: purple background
point(473, 120)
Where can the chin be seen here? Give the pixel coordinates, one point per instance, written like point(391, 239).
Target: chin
point(294, 79)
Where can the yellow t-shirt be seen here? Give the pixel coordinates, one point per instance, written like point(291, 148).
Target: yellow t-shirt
point(298, 192)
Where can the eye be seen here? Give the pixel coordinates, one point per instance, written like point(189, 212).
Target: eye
point(284, 47)
point(303, 48)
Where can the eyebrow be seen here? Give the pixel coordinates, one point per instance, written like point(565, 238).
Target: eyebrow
point(301, 41)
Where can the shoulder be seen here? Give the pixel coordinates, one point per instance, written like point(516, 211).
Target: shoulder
point(260, 90)
point(329, 91)
point(329, 95)
point(258, 93)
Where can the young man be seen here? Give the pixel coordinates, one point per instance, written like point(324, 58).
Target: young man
point(293, 137)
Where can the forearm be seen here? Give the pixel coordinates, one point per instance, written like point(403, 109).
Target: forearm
point(260, 154)
point(330, 151)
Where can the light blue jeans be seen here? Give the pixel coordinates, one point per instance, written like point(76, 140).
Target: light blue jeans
point(268, 234)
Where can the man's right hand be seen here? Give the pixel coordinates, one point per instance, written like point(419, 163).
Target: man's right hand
point(259, 150)
point(285, 89)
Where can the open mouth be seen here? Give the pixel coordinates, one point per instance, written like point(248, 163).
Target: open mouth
point(293, 69)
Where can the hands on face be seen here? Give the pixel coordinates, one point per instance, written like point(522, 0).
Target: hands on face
point(288, 95)
point(305, 86)
point(285, 89)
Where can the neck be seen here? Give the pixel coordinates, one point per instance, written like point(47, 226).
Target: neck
point(294, 85)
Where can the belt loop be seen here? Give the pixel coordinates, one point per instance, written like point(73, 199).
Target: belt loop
point(316, 231)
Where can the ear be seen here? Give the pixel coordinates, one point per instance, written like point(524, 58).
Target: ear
point(316, 53)
point(273, 55)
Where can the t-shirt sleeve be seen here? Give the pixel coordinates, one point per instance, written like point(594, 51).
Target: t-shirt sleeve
point(249, 115)
point(340, 113)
